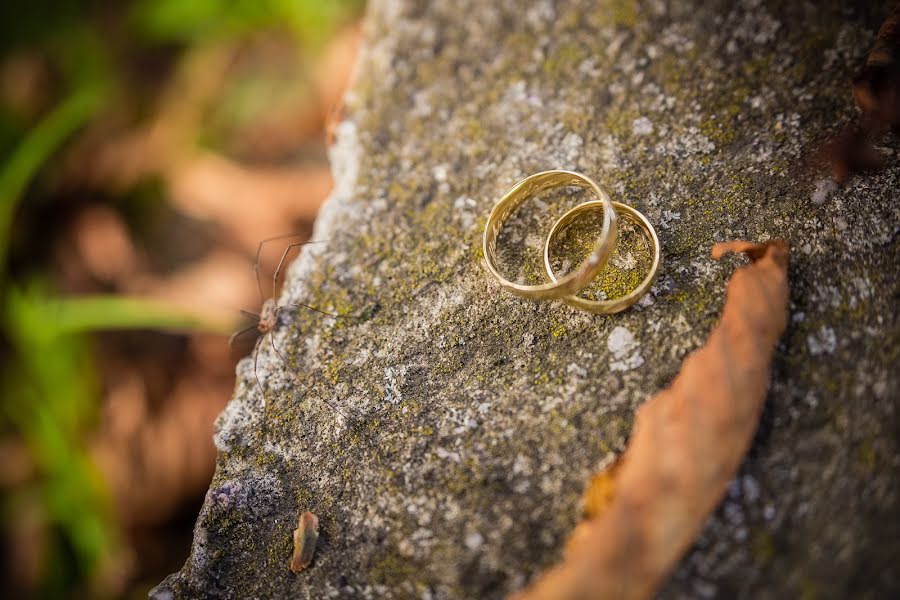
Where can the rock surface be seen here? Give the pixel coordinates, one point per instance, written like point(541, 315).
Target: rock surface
point(444, 434)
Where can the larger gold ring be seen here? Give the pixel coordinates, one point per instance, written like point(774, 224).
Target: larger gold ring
point(587, 270)
point(623, 302)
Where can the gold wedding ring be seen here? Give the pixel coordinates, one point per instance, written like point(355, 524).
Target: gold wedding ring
point(567, 286)
point(587, 270)
point(617, 304)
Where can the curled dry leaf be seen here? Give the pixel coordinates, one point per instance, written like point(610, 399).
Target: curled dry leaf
point(688, 441)
point(876, 89)
point(305, 538)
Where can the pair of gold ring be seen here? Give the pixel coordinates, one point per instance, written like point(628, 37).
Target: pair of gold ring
point(567, 286)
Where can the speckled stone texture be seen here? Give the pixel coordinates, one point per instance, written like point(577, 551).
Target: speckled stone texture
point(445, 435)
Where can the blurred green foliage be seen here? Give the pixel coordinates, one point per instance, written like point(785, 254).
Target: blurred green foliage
point(195, 21)
point(35, 149)
point(48, 381)
point(49, 389)
point(23, 22)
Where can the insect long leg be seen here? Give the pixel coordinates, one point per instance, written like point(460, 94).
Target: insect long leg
point(277, 351)
point(281, 264)
point(256, 366)
point(250, 315)
point(297, 379)
point(303, 383)
point(312, 308)
point(259, 248)
point(237, 334)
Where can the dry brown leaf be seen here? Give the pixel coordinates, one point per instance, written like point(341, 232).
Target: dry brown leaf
point(877, 92)
point(600, 491)
point(687, 444)
point(877, 87)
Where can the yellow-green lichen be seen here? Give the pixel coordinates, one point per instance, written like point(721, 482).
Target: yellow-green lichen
point(623, 13)
point(392, 570)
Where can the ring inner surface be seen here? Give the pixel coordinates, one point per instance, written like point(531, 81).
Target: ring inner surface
point(520, 245)
point(629, 264)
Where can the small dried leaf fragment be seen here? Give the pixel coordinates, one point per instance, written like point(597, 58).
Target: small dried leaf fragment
point(305, 538)
point(687, 444)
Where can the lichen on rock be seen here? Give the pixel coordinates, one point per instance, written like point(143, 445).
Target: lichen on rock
point(444, 435)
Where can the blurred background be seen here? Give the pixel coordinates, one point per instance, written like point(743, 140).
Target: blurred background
point(146, 148)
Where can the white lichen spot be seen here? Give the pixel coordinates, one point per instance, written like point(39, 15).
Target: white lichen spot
point(392, 381)
point(824, 342)
point(464, 203)
point(751, 488)
point(577, 370)
point(522, 466)
point(463, 207)
point(570, 147)
point(474, 541)
point(421, 105)
point(534, 241)
point(445, 454)
point(668, 217)
point(824, 189)
point(517, 92)
point(642, 126)
point(620, 341)
point(705, 589)
point(624, 262)
point(625, 350)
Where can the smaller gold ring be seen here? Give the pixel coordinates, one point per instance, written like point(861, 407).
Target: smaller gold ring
point(623, 302)
point(587, 270)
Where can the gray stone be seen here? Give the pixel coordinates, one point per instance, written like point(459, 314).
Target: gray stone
point(444, 434)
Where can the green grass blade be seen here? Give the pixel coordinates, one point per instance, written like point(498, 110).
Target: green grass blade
point(95, 313)
point(34, 150)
